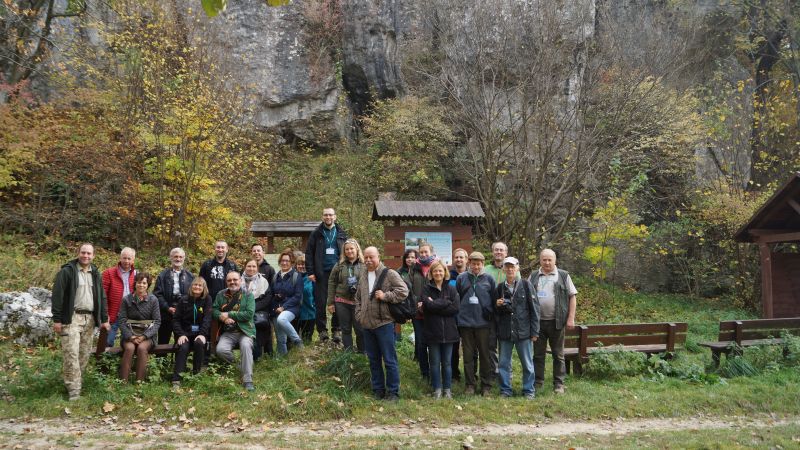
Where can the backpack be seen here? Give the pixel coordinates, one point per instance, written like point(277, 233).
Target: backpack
point(401, 312)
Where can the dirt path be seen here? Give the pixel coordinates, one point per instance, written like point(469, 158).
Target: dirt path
point(108, 432)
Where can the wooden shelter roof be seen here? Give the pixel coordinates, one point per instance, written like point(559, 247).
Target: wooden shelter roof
point(778, 220)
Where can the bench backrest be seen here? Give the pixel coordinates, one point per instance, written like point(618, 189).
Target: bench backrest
point(746, 330)
point(668, 334)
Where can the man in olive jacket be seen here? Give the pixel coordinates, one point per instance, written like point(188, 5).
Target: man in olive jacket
point(78, 304)
point(372, 312)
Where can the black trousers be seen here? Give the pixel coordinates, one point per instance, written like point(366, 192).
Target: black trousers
point(263, 341)
point(165, 329)
point(320, 303)
point(182, 355)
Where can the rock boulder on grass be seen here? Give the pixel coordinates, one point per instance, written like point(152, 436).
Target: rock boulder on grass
point(25, 317)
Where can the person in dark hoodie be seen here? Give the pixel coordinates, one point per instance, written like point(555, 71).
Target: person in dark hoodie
point(215, 270)
point(323, 251)
point(286, 293)
point(192, 326)
point(476, 290)
point(517, 321)
point(78, 305)
point(439, 302)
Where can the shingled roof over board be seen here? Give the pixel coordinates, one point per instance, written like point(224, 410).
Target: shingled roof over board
point(778, 220)
point(391, 209)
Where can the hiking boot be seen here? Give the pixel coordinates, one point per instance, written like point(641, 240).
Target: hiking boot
point(505, 394)
point(74, 395)
point(249, 386)
point(298, 345)
point(323, 336)
point(448, 393)
point(469, 390)
point(530, 396)
point(379, 395)
point(486, 391)
point(337, 337)
point(394, 398)
point(176, 384)
point(558, 390)
point(437, 394)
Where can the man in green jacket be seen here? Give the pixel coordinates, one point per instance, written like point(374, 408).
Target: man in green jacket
point(78, 304)
point(234, 309)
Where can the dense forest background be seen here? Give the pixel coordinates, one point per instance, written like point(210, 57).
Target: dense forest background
point(633, 136)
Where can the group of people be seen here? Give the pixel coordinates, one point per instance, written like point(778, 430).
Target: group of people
point(487, 311)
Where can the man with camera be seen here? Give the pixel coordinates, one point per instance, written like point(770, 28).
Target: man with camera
point(172, 283)
point(234, 310)
point(516, 313)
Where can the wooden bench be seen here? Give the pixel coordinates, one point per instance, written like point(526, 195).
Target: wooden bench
point(158, 349)
point(738, 334)
point(648, 338)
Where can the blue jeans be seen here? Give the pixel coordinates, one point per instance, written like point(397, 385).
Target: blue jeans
point(112, 334)
point(284, 330)
point(420, 347)
point(379, 344)
point(441, 357)
point(525, 353)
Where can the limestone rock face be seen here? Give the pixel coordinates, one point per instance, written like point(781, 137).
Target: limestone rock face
point(25, 317)
point(289, 95)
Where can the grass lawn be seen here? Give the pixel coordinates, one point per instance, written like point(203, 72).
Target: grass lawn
point(322, 384)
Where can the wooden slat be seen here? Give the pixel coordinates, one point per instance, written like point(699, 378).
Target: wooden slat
point(649, 348)
point(395, 249)
point(749, 335)
point(608, 341)
point(571, 342)
point(634, 328)
point(762, 324)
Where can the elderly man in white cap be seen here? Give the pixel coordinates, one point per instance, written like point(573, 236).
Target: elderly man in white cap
point(516, 313)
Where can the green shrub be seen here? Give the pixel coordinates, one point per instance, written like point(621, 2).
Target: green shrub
point(615, 362)
point(791, 345)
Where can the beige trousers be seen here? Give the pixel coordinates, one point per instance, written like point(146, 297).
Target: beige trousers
point(76, 346)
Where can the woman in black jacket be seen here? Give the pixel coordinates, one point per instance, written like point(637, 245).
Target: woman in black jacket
point(192, 326)
point(439, 303)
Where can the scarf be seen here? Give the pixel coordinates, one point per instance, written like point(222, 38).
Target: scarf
point(425, 263)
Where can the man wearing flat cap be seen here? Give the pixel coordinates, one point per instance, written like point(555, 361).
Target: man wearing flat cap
point(476, 290)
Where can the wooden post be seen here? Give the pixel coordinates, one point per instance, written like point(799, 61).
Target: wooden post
point(270, 244)
point(766, 280)
point(671, 337)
